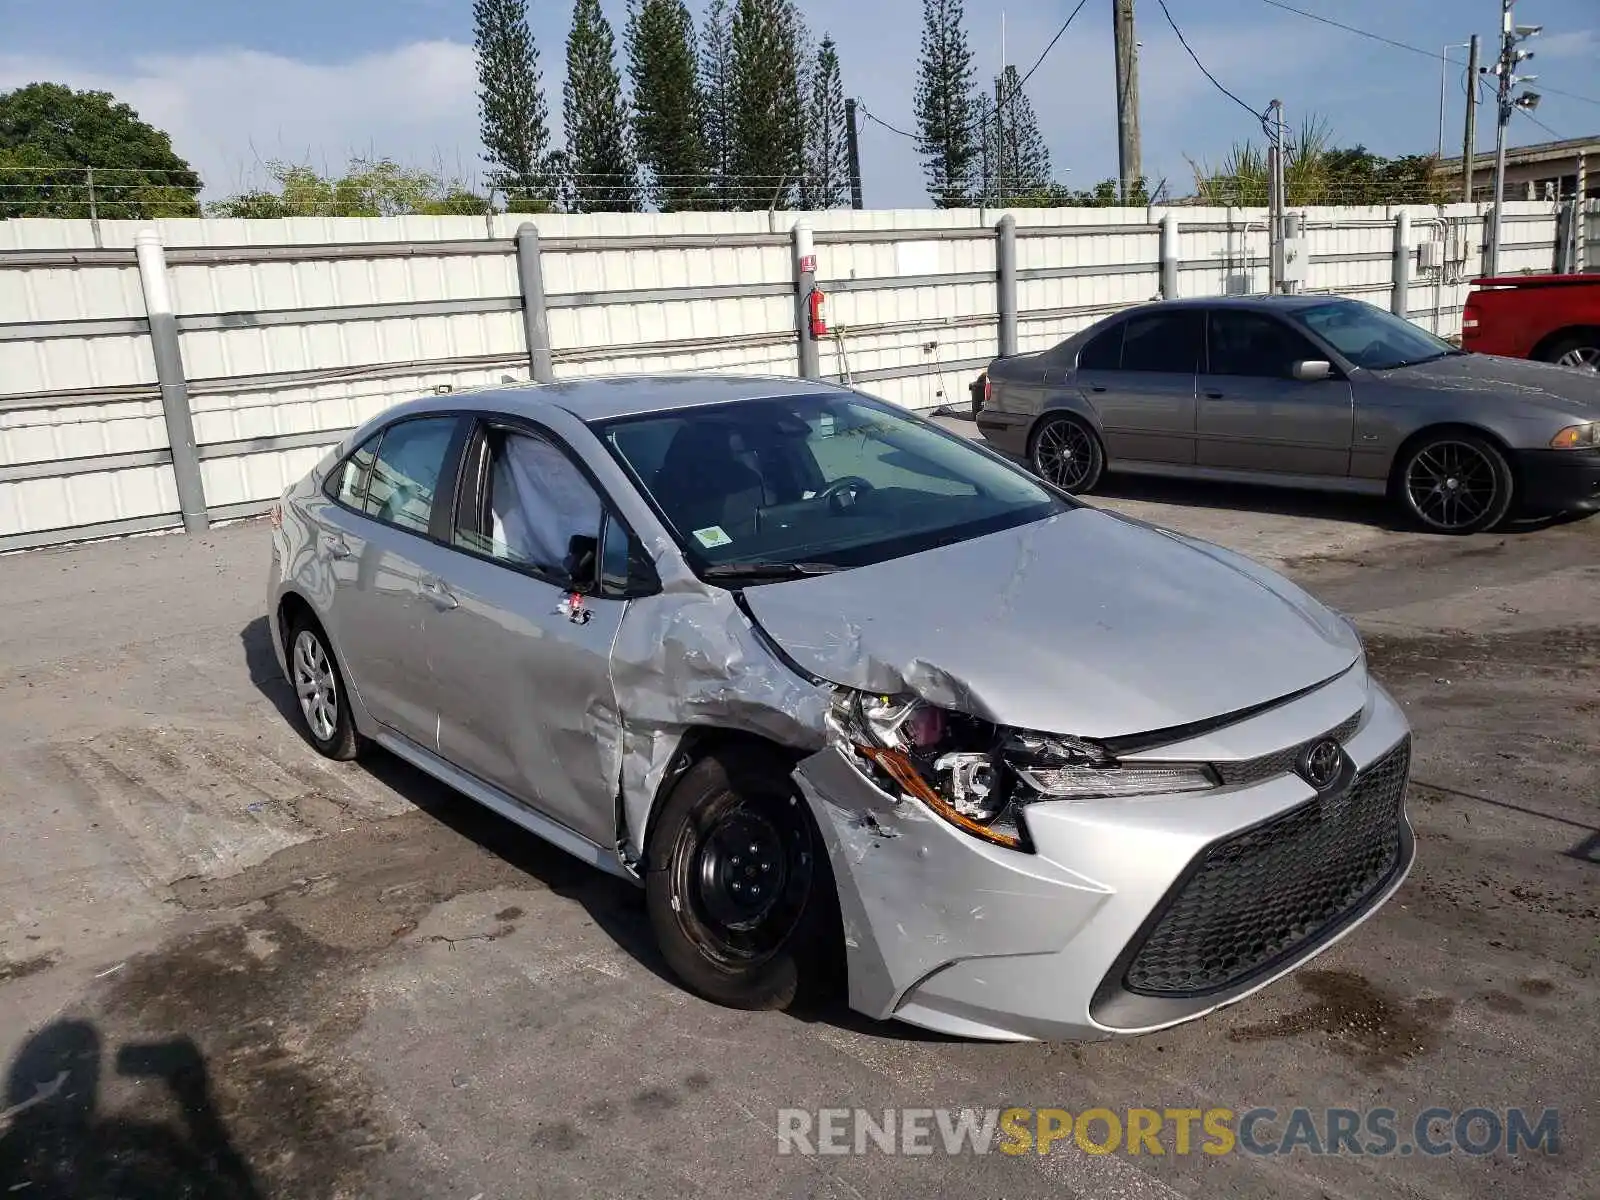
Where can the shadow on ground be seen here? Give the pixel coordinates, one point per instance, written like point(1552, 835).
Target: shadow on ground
point(60, 1144)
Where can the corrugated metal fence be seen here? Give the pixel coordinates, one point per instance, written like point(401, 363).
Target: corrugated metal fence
point(292, 332)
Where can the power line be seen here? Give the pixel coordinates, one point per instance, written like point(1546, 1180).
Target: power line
point(1378, 37)
point(1262, 117)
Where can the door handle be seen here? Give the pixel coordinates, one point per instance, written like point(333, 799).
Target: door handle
point(1099, 387)
point(435, 590)
point(1214, 396)
point(337, 546)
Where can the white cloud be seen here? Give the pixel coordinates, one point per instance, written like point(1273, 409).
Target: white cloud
point(229, 110)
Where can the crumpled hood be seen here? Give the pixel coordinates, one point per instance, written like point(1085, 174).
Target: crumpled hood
point(1084, 623)
point(1519, 381)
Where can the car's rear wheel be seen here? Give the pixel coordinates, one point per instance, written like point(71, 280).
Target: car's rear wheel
point(1067, 453)
point(320, 693)
point(1455, 482)
point(738, 887)
point(1580, 350)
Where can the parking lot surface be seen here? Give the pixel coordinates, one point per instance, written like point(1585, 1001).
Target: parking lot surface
point(230, 968)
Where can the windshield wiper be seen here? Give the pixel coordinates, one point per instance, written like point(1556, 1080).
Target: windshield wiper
point(759, 569)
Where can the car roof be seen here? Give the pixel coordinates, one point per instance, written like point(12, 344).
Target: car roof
point(1295, 301)
point(604, 397)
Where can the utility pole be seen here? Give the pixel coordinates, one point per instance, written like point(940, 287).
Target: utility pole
point(1277, 202)
point(1129, 168)
point(852, 152)
point(1510, 34)
point(1000, 159)
point(1469, 143)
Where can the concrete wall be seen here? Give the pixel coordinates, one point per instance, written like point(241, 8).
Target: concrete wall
point(292, 332)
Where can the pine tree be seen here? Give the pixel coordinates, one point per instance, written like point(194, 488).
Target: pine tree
point(511, 107)
point(766, 130)
point(668, 111)
point(827, 173)
point(948, 116)
point(1016, 160)
point(599, 153)
point(716, 91)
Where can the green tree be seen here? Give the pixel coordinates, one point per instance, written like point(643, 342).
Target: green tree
point(1015, 160)
point(827, 172)
point(948, 115)
point(668, 112)
point(766, 134)
point(377, 187)
point(511, 107)
point(603, 172)
point(716, 92)
point(1316, 172)
point(51, 135)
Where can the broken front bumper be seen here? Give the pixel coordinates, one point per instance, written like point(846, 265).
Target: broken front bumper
point(1131, 914)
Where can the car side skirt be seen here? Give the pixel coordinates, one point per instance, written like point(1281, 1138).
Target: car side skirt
point(1319, 483)
point(500, 803)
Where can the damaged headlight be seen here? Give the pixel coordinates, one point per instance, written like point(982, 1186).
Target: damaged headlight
point(977, 775)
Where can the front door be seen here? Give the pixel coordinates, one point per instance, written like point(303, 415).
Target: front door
point(375, 558)
point(1144, 393)
point(521, 662)
point(1254, 415)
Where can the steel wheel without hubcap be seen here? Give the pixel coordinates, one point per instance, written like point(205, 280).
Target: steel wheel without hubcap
point(746, 880)
point(1067, 453)
point(316, 685)
point(1585, 358)
point(1457, 485)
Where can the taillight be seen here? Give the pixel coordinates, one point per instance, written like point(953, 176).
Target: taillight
point(987, 384)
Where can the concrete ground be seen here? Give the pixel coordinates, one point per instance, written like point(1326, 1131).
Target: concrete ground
point(229, 968)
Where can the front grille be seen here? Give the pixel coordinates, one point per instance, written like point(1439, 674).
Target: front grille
point(1280, 762)
point(1263, 894)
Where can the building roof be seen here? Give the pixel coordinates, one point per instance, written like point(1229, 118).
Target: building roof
point(1563, 151)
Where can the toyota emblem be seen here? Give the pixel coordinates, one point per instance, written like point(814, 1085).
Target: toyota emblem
point(1321, 763)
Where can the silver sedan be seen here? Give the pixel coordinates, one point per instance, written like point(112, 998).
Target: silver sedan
point(1303, 391)
point(834, 685)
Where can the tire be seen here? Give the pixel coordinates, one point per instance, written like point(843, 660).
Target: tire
point(1066, 451)
point(724, 941)
point(320, 694)
point(1454, 482)
point(1580, 350)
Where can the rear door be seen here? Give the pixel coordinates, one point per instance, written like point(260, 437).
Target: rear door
point(1139, 376)
point(520, 639)
point(1254, 415)
point(375, 538)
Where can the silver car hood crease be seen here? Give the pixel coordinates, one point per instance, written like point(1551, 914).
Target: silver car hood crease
point(1081, 624)
point(1518, 382)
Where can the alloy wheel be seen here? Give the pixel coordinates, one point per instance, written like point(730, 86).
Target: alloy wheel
point(316, 686)
point(1066, 455)
point(1585, 358)
point(1452, 484)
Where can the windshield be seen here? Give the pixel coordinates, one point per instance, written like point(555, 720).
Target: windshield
point(778, 487)
point(1369, 336)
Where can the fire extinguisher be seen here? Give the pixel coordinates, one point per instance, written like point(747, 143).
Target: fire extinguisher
point(817, 312)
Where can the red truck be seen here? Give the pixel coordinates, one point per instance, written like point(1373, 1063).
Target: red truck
point(1555, 318)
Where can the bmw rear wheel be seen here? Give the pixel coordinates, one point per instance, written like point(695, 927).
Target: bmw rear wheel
point(738, 887)
point(1455, 482)
point(320, 694)
point(1067, 453)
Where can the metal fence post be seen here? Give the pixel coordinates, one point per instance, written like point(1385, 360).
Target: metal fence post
point(805, 281)
point(535, 318)
point(1400, 293)
point(1005, 258)
point(169, 374)
point(1169, 256)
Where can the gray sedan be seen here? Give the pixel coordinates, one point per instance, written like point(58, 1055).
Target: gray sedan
point(1303, 391)
point(832, 684)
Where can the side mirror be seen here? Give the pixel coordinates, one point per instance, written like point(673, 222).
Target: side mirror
point(582, 551)
point(1311, 370)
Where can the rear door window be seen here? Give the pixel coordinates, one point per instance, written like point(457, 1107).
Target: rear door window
point(407, 470)
point(1166, 342)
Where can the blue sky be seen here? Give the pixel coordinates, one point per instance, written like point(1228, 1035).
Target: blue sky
point(237, 82)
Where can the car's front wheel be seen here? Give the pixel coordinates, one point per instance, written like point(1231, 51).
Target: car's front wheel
point(1067, 453)
point(1455, 482)
point(738, 886)
point(320, 693)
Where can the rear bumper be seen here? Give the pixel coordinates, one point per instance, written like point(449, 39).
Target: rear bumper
point(1553, 481)
point(1006, 432)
